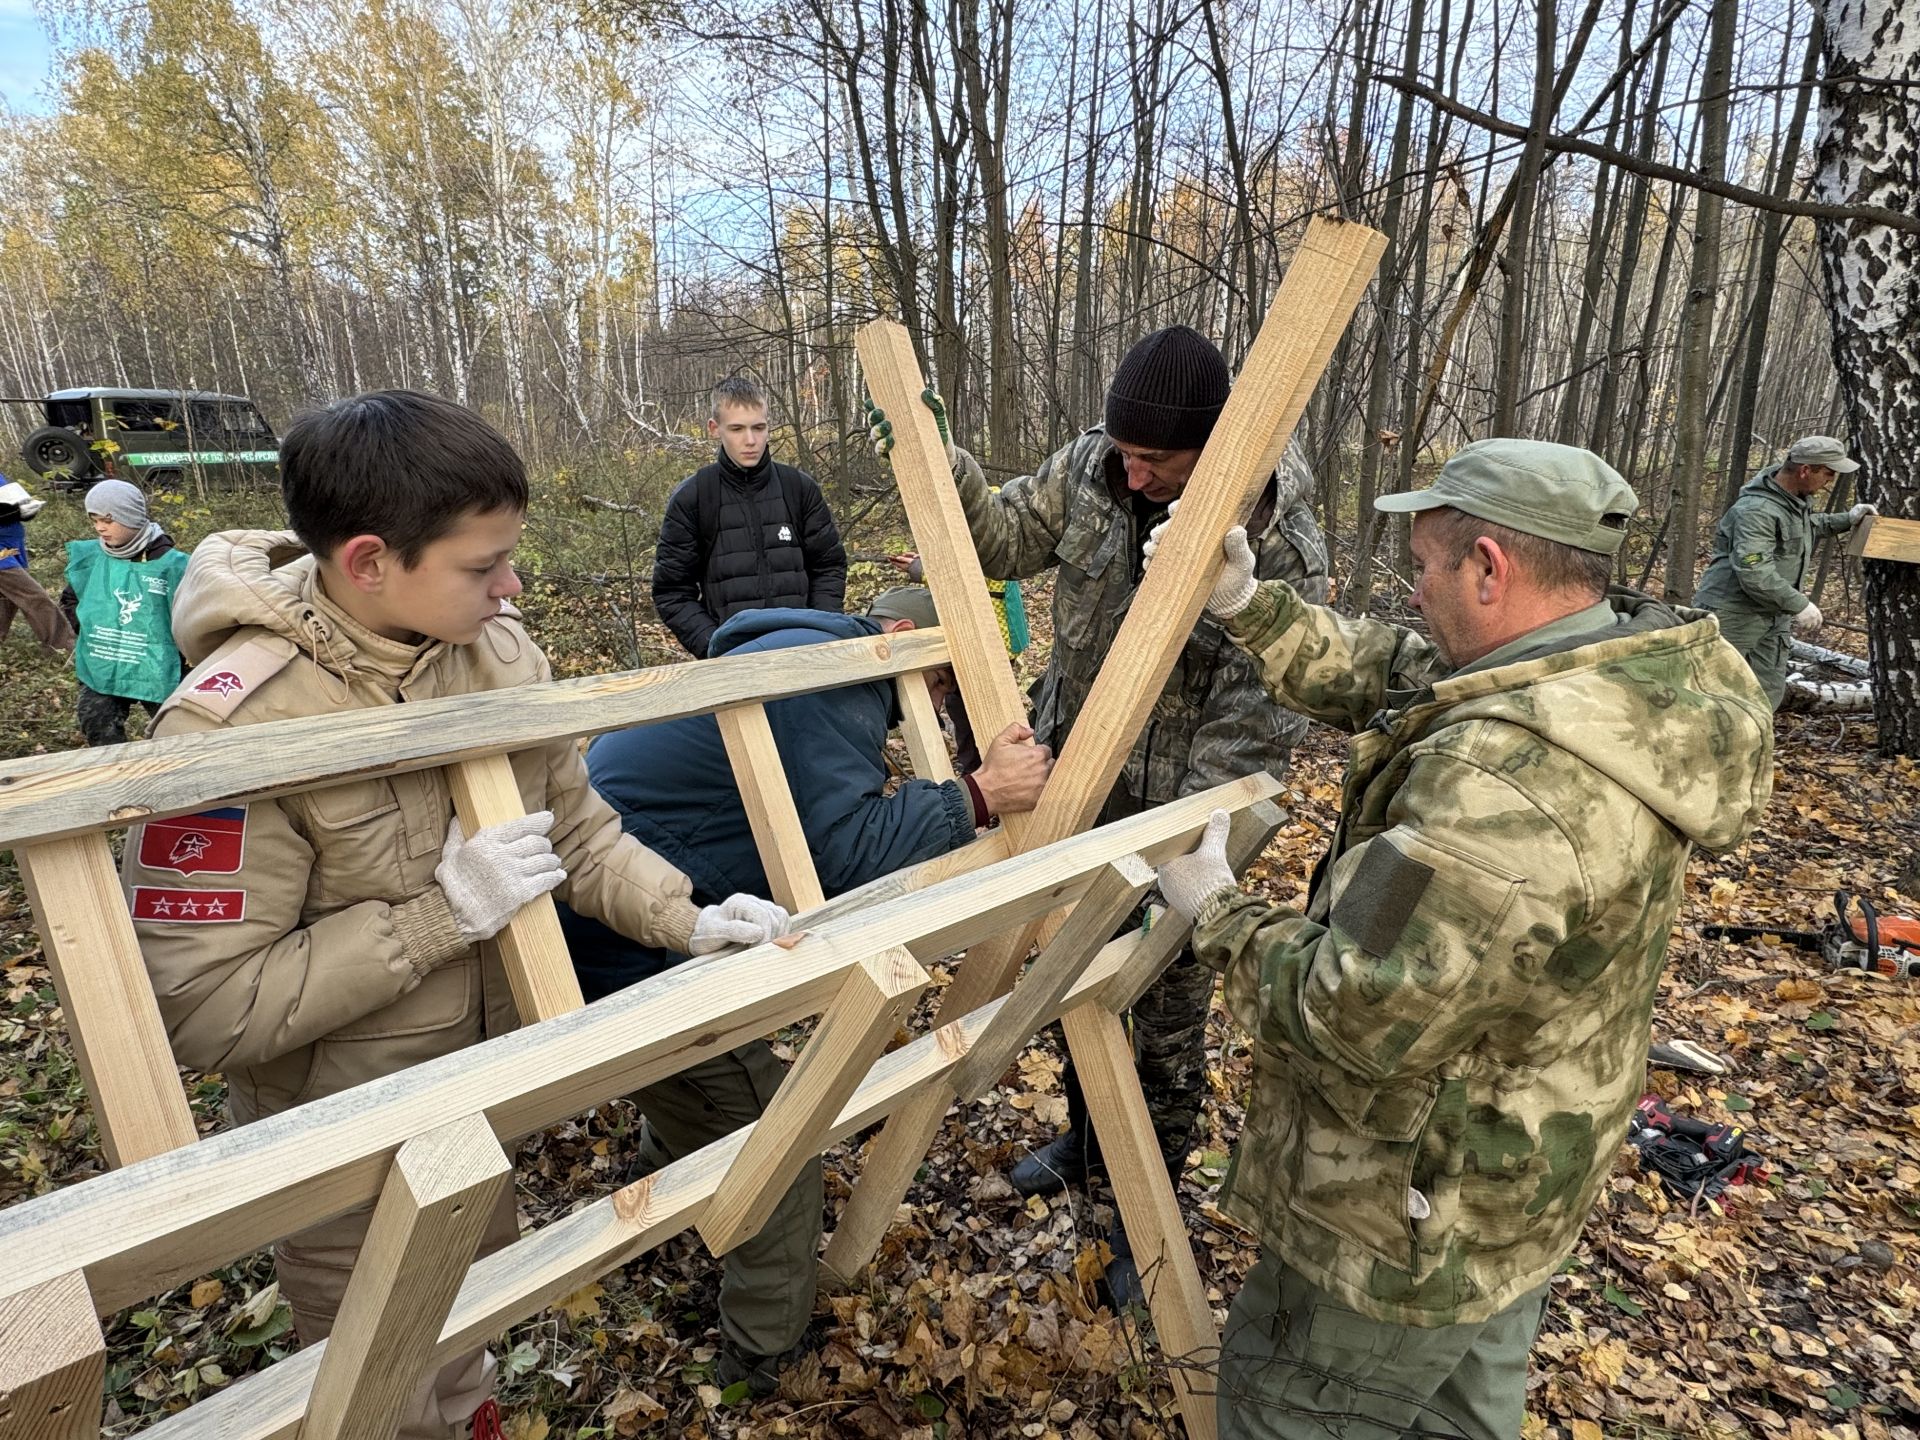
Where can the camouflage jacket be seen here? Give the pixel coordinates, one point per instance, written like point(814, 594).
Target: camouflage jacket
point(1761, 548)
point(1449, 1042)
point(1213, 722)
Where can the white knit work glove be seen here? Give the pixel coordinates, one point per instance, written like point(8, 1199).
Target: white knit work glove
point(488, 876)
point(1808, 620)
point(1189, 881)
point(1861, 512)
point(737, 920)
point(1236, 584)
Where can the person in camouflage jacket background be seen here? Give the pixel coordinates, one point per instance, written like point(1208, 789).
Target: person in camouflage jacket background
point(1761, 549)
point(1449, 1042)
point(1086, 513)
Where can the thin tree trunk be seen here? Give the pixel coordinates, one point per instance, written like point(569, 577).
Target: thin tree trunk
point(1703, 292)
point(1372, 439)
point(1520, 238)
point(1773, 233)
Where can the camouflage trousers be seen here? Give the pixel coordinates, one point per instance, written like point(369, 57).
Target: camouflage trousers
point(1297, 1364)
point(1763, 642)
point(767, 1283)
point(103, 718)
point(1169, 1027)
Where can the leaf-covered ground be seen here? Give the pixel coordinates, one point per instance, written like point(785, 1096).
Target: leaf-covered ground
point(1788, 1310)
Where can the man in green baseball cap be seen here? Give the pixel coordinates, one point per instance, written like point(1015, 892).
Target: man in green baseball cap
point(1450, 1037)
point(1761, 549)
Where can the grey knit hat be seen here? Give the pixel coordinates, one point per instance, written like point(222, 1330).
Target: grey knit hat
point(119, 502)
point(1168, 391)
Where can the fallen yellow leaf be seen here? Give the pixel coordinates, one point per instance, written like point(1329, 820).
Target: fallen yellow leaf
point(582, 1304)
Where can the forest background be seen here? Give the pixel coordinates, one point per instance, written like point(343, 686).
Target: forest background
point(576, 215)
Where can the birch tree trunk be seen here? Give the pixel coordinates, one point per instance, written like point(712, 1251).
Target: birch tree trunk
point(1868, 148)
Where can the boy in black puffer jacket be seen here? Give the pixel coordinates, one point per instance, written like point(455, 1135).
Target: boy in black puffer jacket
point(744, 533)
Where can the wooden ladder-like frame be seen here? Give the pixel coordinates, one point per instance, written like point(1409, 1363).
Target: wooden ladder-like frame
point(425, 1146)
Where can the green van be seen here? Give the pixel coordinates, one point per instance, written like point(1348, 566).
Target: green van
point(159, 439)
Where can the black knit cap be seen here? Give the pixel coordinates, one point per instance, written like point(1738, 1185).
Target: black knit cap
point(1168, 391)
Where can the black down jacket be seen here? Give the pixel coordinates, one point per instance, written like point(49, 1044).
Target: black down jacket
point(736, 540)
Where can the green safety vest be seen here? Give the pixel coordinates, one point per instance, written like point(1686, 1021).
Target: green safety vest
point(126, 644)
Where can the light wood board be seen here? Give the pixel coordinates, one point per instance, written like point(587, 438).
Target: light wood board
point(118, 1036)
point(45, 797)
point(1882, 537)
point(532, 949)
point(441, 1192)
point(53, 1362)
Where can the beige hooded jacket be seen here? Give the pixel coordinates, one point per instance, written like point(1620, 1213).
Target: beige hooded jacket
point(302, 945)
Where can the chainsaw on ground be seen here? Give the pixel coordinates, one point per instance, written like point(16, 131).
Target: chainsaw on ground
point(1886, 945)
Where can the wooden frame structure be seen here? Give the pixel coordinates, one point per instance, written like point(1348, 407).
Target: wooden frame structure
point(425, 1146)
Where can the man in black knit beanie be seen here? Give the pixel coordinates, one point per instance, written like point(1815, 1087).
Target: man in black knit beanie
point(1087, 511)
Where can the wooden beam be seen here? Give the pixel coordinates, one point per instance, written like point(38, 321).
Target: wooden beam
point(1323, 283)
point(53, 1362)
point(947, 556)
point(140, 1230)
point(533, 951)
point(854, 1030)
point(1253, 829)
point(761, 779)
point(45, 797)
point(118, 1036)
point(920, 728)
point(510, 1285)
point(1176, 1297)
point(439, 1195)
point(1883, 537)
point(1102, 910)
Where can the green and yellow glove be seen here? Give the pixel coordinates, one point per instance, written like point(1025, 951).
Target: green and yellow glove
point(880, 429)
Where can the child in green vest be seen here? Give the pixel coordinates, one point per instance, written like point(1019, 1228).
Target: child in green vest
point(119, 597)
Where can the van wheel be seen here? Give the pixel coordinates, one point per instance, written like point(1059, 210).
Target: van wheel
point(162, 480)
point(58, 453)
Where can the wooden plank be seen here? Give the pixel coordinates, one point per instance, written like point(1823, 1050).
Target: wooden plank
point(1102, 910)
point(533, 951)
point(1253, 829)
point(118, 1035)
point(556, 1260)
point(53, 1362)
point(1323, 283)
point(761, 779)
point(143, 1229)
point(952, 568)
point(44, 797)
point(854, 1030)
point(920, 728)
point(438, 1197)
point(1176, 1296)
point(1883, 537)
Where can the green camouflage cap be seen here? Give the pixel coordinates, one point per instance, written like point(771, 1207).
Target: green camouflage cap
point(1822, 450)
point(905, 602)
point(1558, 492)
